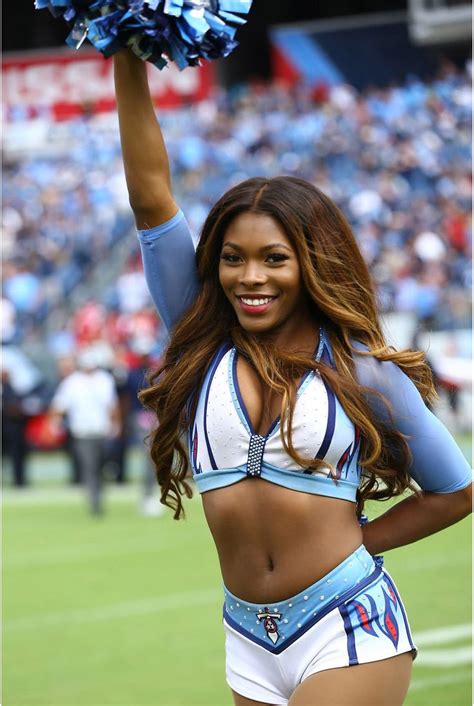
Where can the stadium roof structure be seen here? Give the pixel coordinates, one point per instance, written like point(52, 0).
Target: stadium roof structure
point(360, 50)
point(440, 21)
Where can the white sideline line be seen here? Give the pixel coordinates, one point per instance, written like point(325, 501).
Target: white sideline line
point(445, 658)
point(88, 552)
point(65, 496)
point(71, 496)
point(440, 636)
point(428, 683)
point(159, 604)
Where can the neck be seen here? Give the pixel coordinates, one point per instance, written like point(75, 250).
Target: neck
point(301, 334)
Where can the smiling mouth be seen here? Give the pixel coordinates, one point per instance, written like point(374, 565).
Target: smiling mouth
point(255, 305)
point(254, 301)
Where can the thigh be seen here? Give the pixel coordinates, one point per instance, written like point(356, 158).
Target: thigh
point(243, 701)
point(382, 683)
point(96, 456)
point(89, 456)
point(82, 454)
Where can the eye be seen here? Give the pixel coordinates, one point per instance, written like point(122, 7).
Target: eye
point(276, 257)
point(230, 257)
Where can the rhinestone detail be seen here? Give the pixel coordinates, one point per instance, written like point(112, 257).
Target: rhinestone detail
point(255, 456)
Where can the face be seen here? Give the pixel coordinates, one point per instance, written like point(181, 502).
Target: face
point(260, 275)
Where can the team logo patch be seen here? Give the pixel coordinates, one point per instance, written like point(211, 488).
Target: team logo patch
point(269, 622)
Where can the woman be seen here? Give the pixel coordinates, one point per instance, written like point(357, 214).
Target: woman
point(296, 412)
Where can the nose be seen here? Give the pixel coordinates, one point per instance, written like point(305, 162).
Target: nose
point(252, 275)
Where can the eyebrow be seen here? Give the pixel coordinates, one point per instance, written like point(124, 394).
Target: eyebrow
point(264, 249)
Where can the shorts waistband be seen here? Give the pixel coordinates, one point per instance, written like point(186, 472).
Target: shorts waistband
point(289, 616)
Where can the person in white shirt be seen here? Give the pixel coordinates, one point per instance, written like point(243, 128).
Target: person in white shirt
point(88, 398)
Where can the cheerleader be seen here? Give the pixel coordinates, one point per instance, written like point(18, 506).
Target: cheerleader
point(296, 412)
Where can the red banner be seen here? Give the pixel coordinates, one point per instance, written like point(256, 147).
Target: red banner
point(66, 84)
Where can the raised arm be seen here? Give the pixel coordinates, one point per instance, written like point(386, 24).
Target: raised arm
point(165, 240)
point(145, 158)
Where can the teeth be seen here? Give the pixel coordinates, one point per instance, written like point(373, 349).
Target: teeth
point(256, 302)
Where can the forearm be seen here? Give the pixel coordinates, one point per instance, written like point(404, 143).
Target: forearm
point(144, 152)
point(415, 518)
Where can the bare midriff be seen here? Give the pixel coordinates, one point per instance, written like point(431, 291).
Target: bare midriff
point(274, 542)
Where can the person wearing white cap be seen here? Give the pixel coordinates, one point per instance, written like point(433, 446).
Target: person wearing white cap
point(88, 398)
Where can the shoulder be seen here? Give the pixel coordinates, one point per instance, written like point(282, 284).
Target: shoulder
point(381, 375)
point(390, 381)
point(71, 381)
point(104, 378)
point(67, 388)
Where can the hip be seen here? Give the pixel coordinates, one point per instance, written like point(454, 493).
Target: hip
point(274, 624)
point(353, 615)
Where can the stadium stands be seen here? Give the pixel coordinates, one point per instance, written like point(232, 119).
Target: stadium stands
point(396, 160)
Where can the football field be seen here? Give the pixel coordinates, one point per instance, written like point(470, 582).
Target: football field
point(125, 609)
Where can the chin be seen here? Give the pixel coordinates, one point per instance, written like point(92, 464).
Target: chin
point(257, 326)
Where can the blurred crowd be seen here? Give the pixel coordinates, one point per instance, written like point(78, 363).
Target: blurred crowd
point(64, 207)
point(396, 160)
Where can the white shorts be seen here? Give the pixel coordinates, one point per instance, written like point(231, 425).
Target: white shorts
point(351, 616)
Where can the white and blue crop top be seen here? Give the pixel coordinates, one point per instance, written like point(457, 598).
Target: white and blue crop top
point(224, 448)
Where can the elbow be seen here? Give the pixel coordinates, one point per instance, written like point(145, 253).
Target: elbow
point(149, 194)
point(454, 506)
point(143, 208)
point(460, 503)
point(465, 500)
point(153, 211)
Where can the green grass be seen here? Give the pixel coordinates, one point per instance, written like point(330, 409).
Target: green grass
point(126, 610)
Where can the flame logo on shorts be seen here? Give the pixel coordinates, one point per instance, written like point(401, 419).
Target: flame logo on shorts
point(384, 620)
point(365, 620)
point(390, 624)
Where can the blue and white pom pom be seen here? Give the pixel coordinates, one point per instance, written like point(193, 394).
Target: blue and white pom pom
point(183, 31)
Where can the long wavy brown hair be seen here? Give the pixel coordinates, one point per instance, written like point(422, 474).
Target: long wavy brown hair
point(341, 295)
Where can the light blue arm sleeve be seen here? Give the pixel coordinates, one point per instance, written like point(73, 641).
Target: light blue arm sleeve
point(438, 464)
point(169, 262)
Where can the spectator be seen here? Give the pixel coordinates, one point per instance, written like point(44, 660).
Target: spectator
point(87, 396)
point(14, 419)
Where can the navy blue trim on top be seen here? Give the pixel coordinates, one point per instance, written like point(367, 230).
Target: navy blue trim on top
point(277, 421)
point(326, 358)
point(335, 603)
point(321, 343)
point(239, 395)
point(349, 630)
point(217, 359)
point(331, 422)
point(316, 355)
point(191, 445)
point(353, 452)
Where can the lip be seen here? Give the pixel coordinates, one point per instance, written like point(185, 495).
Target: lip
point(255, 310)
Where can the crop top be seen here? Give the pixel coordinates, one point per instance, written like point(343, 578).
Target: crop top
point(223, 447)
